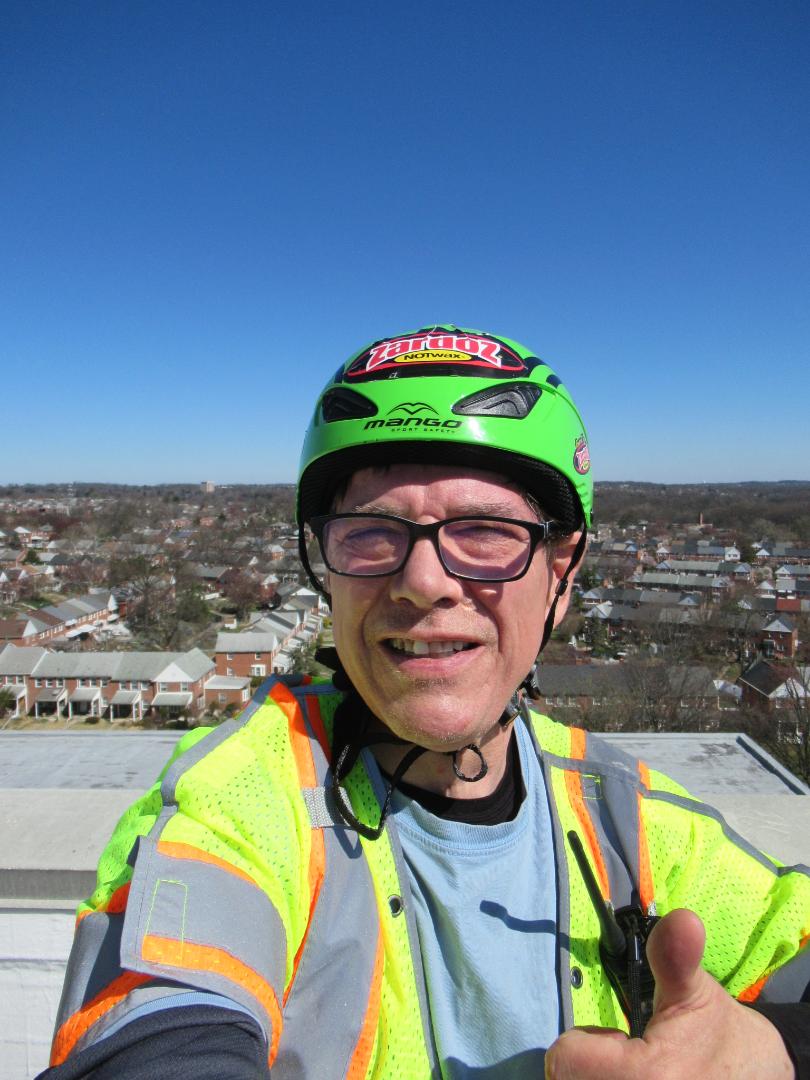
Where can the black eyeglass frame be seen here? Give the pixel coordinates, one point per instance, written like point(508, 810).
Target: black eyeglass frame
point(539, 532)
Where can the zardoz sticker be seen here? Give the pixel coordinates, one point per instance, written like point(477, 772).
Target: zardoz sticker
point(582, 456)
point(409, 354)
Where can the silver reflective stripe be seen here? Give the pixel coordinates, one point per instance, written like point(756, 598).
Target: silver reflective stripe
point(563, 895)
point(174, 997)
point(610, 796)
point(322, 811)
point(791, 982)
point(324, 1013)
point(93, 963)
point(149, 996)
point(336, 967)
point(192, 903)
point(618, 781)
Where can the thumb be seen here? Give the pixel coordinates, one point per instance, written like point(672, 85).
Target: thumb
point(674, 951)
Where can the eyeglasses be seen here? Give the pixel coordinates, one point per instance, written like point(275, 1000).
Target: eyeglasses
point(473, 548)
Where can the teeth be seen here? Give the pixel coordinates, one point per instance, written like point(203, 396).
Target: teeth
point(427, 648)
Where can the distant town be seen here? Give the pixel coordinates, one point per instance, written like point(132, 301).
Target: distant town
point(167, 605)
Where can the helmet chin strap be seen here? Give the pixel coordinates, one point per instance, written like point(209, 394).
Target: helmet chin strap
point(351, 750)
point(562, 587)
point(483, 768)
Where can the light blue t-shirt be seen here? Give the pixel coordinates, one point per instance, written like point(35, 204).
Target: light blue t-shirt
point(486, 910)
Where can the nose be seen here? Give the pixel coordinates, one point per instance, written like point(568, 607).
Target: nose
point(423, 581)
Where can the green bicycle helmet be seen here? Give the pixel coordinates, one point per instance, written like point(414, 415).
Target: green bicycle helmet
point(448, 395)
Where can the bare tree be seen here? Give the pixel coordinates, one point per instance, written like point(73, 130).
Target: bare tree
point(243, 591)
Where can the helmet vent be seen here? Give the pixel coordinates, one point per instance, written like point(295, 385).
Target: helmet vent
point(554, 380)
point(341, 403)
point(515, 401)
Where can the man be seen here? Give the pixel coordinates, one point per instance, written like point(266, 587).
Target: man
point(388, 877)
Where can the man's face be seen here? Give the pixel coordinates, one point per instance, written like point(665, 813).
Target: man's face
point(452, 698)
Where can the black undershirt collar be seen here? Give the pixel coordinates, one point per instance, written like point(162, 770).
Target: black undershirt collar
point(493, 809)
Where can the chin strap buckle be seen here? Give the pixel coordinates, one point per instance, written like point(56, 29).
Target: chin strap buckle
point(482, 771)
point(513, 706)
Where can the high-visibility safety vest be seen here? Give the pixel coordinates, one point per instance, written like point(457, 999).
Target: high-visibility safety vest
point(234, 875)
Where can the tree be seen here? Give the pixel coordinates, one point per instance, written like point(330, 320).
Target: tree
point(595, 632)
point(244, 592)
point(153, 612)
point(668, 697)
point(785, 732)
point(192, 608)
point(796, 732)
point(6, 702)
point(588, 577)
point(117, 518)
point(302, 658)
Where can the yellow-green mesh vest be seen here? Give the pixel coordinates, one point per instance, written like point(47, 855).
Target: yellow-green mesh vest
point(228, 830)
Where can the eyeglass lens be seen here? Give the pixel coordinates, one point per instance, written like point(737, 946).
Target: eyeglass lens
point(482, 549)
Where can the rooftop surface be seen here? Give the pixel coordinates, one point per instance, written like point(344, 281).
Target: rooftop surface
point(62, 792)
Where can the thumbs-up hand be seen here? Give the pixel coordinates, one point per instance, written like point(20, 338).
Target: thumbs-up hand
point(697, 1030)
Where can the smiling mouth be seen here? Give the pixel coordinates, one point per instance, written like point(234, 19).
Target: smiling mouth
point(412, 647)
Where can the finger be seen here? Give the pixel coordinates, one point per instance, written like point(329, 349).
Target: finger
point(595, 1054)
point(674, 951)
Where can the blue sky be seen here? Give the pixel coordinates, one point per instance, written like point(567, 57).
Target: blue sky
point(205, 207)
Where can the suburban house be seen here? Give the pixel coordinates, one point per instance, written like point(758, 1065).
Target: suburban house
point(772, 685)
point(251, 654)
point(76, 617)
point(265, 648)
point(224, 691)
point(585, 686)
point(120, 685)
point(779, 637)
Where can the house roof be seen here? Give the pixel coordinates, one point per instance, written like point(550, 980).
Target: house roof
point(42, 663)
point(125, 697)
point(48, 694)
point(765, 677)
point(691, 566)
point(20, 659)
point(179, 699)
point(85, 693)
point(210, 573)
point(78, 665)
point(179, 667)
point(78, 606)
point(587, 680)
point(246, 642)
point(684, 581)
point(227, 682)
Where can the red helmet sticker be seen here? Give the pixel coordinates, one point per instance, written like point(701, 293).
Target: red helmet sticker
point(582, 456)
point(484, 354)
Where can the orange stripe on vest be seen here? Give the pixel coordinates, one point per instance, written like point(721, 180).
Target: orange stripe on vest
point(358, 1066)
point(83, 1019)
point(752, 992)
point(316, 720)
point(184, 954)
point(305, 765)
point(116, 904)
point(646, 889)
point(175, 850)
point(573, 785)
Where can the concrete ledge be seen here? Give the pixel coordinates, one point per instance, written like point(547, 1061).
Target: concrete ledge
point(67, 885)
point(54, 829)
